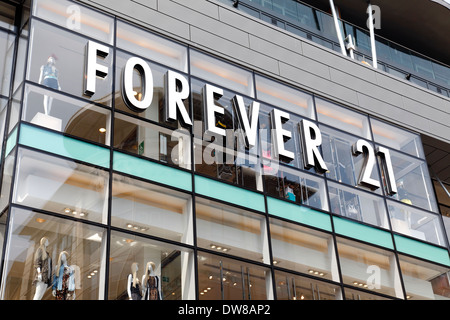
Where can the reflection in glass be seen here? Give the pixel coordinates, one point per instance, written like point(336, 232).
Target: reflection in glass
point(221, 278)
point(303, 250)
point(77, 18)
point(424, 280)
point(146, 208)
point(352, 294)
point(83, 245)
point(293, 287)
point(357, 205)
point(396, 138)
point(68, 51)
point(71, 189)
point(6, 60)
point(68, 115)
point(130, 261)
point(369, 268)
point(416, 223)
point(231, 230)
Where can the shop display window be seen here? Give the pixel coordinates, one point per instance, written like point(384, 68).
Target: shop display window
point(224, 157)
point(358, 205)
point(296, 186)
point(77, 18)
point(369, 268)
point(71, 189)
point(219, 72)
point(295, 287)
point(413, 182)
point(70, 256)
point(416, 223)
point(352, 294)
point(67, 115)
point(285, 97)
point(152, 141)
point(424, 280)
point(156, 111)
point(231, 230)
point(56, 60)
point(150, 209)
point(221, 278)
point(303, 250)
point(343, 118)
point(343, 166)
point(396, 138)
point(143, 269)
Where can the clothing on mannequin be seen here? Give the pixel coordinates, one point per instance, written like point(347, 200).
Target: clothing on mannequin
point(43, 269)
point(49, 78)
point(151, 283)
point(133, 285)
point(63, 279)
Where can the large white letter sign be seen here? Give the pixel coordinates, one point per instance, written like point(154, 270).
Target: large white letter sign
point(210, 93)
point(128, 92)
point(249, 129)
point(363, 146)
point(176, 90)
point(280, 135)
point(91, 68)
point(311, 139)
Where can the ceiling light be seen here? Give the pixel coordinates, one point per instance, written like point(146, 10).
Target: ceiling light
point(102, 130)
point(40, 220)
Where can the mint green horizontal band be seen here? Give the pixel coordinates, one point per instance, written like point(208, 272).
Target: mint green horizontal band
point(11, 142)
point(57, 143)
point(422, 250)
point(362, 232)
point(152, 171)
point(229, 193)
point(298, 213)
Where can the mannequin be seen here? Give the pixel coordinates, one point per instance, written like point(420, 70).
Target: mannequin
point(43, 267)
point(133, 285)
point(63, 279)
point(49, 78)
point(151, 284)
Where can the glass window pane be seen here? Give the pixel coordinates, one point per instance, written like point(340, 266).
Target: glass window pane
point(357, 205)
point(303, 250)
point(8, 172)
point(151, 46)
point(342, 118)
point(294, 287)
point(285, 97)
point(67, 115)
point(413, 181)
point(6, 61)
point(221, 278)
point(369, 268)
point(296, 186)
point(416, 223)
point(149, 209)
point(397, 138)
point(71, 189)
point(77, 18)
point(343, 166)
point(231, 230)
point(7, 15)
point(352, 294)
point(223, 74)
point(36, 241)
point(424, 280)
point(136, 263)
point(152, 141)
point(57, 60)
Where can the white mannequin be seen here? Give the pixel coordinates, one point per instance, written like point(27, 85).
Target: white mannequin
point(133, 281)
point(41, 282)
point(150, 271)
point(62, 263)
point(49, 77)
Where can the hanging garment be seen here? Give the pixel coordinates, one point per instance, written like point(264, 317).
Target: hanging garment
point(151, 288)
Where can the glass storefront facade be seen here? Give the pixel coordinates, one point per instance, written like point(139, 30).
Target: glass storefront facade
point(103, 201)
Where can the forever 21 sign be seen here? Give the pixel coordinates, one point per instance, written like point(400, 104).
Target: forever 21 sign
point(176, 89)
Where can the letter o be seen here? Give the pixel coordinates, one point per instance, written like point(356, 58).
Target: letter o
point(127, 84)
